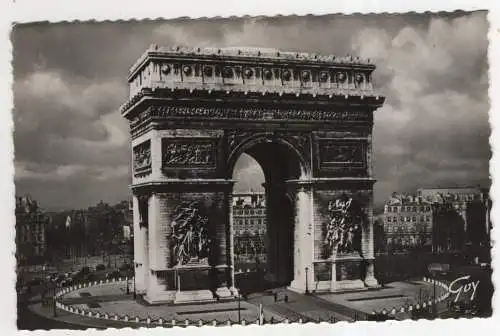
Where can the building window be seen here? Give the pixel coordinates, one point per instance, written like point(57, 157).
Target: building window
point(428, 218)
point(414, 219)
point(389, 219)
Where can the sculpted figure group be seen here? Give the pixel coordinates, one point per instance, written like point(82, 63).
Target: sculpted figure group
point(186, 154)
point(191, 242)
point(343, 228)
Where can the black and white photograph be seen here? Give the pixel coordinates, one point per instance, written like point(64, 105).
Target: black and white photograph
point(252, 170)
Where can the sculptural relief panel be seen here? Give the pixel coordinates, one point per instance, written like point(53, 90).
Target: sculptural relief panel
point(341, 152)
point(190, 239)
point(197, 225)
point(341, 156)
point(340, 218)
point(142, 158)
point(189, 153)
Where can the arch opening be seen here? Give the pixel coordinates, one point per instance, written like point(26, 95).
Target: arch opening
point(269, 164)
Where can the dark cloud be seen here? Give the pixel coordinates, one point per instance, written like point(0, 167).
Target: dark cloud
point(72, 146)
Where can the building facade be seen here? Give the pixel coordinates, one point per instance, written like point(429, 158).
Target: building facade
point(249, 229)
point(407, 222)
point(31, 224)
point(439, 219)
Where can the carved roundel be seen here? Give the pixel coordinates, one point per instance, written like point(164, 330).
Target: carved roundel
point(165, 69)
point(187, 70)
point(323, 76)
point(341, 77)
point(227, 72)
point(306, 76)
point(268, 74)
point(248, 73)
point(287, 75)
point(208, 71)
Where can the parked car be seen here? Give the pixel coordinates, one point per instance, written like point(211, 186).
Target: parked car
point(100, 267)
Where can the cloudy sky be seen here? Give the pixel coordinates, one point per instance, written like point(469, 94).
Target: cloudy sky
point(72, 147)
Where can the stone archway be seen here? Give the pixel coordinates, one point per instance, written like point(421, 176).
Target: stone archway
point(281, 163)
point(306, 119)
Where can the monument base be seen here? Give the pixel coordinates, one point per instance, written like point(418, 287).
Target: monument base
point(234, 291)
point(194, 296)
point(347, 285)
point(371, 282)
point(160, 298)
point(223, 293)
point(299, 287)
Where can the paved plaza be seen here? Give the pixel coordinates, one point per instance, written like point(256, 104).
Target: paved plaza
point(112, 299)
point(393, 295)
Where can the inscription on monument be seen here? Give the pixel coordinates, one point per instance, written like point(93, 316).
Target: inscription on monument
point(142, 158)
point(188, 153)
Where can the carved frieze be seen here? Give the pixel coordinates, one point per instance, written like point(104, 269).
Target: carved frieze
point(142, 158)
point(188, 153)
point(256, 113)
point(190, 239)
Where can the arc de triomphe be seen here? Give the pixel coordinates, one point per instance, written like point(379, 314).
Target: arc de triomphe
point(306, 119)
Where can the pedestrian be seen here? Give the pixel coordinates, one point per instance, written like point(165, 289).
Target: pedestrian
point(286, 298)
point(275, 296)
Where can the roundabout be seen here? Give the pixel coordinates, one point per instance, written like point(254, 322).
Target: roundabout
point(109, 301)
point(106, 304)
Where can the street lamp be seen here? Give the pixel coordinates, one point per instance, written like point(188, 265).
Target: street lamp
point(54, 302)
point(434, 306)
point(307, 285)
point(239, 307)
point(134, 284)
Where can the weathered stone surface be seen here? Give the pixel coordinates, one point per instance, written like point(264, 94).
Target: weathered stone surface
point(306, 119)
point(196, 296)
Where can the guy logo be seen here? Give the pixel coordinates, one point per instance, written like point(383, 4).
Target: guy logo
point(459, 286)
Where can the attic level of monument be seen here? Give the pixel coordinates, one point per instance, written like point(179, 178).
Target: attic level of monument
point(260, 55)
point(242, 76)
